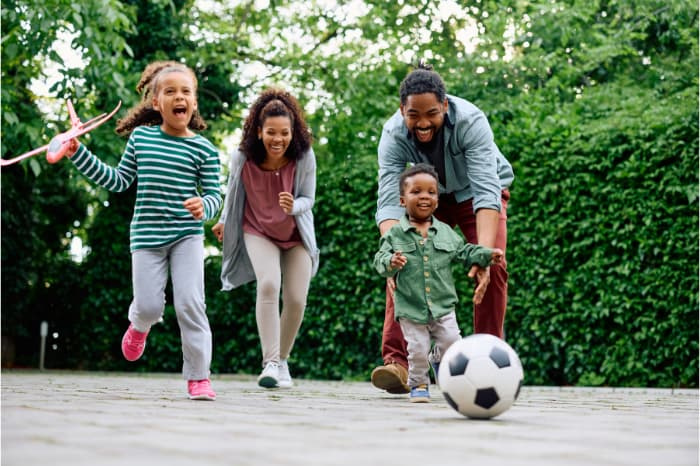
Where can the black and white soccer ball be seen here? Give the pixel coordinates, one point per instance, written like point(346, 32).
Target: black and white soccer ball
point(480, 376)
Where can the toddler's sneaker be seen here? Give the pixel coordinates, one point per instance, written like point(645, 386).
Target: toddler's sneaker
point(269, 377)
point(133, 343)
point(284, 380)
point(419, 394)
point(200, 390)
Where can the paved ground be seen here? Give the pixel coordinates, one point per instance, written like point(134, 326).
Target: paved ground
point(103, 419)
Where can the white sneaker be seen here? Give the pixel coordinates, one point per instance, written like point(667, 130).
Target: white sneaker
point(269, 377)
point(284, 379)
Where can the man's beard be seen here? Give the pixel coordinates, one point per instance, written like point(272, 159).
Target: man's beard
point(427, 146)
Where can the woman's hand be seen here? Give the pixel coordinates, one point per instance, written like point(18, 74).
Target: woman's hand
point(218, 230)
point(286, 202)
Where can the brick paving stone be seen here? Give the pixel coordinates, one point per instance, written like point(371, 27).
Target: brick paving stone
point(101, 419)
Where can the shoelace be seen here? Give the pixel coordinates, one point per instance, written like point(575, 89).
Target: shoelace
point(200, 386)
point(135, 343)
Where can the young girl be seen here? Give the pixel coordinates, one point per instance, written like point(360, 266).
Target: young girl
point(267, 226)
point(169, 163)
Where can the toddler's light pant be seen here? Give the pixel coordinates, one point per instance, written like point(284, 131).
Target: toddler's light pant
point(289, 269)
point(150, 275)
point(444, 331)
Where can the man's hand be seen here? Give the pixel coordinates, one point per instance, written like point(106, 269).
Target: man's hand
point(482, 277)
point(391, 285)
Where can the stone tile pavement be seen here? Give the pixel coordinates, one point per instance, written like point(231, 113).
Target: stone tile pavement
point(101, 419)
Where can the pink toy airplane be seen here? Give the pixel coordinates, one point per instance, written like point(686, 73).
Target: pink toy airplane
point(57, 148)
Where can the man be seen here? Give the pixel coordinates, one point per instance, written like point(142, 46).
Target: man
point(454, 136)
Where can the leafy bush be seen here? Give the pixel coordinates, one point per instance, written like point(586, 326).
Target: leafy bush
point(604, 240)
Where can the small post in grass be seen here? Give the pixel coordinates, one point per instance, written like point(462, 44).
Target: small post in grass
point(43, 331)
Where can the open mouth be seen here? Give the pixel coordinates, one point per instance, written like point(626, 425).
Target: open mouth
point(180, 111)
point(424, 134)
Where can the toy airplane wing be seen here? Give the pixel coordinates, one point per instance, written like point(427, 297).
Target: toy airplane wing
point(93, 123)
point(58, 146)
point(5, 162)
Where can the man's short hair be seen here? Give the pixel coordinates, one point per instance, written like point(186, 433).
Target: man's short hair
point(420, 81)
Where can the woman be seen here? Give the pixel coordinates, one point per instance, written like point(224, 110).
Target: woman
point(267, 226)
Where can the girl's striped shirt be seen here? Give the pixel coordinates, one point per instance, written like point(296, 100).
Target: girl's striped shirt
point(168, 170)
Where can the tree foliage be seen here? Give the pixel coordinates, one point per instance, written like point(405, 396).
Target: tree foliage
point(595, 103)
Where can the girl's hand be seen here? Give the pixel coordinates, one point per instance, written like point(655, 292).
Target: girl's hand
point(195, 206)
point(73, 146)
point(286, 202)
point(218, 230)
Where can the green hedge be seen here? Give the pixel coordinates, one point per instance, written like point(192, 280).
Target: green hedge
point(603, 238)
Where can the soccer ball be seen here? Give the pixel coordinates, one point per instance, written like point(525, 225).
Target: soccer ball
point(480, 376)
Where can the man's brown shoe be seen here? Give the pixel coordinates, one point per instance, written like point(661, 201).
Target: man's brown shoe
point(391, 377)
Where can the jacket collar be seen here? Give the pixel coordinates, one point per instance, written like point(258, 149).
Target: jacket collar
point(406, 224)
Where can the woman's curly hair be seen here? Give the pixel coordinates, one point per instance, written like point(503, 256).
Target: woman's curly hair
point(143, 114)
point(274, 102)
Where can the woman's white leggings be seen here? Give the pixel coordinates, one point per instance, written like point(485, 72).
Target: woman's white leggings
point(277, 268)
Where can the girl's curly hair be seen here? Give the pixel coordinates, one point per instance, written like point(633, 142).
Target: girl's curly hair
point(274, 102)
point(143, 114)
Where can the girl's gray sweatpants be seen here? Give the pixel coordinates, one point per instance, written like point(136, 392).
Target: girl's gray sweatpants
point(185, 258)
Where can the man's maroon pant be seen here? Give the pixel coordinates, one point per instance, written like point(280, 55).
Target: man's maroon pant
point(489, 316)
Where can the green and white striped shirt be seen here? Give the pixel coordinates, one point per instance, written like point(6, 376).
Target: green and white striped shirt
point(168, 170)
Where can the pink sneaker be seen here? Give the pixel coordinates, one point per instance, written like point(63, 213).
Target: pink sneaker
point(200, 390)
point(133, 343)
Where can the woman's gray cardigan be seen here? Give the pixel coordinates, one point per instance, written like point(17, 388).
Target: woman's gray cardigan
point(236, 268)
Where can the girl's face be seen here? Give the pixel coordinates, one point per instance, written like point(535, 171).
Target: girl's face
point(420, 196)
point(276, 135)
point(176, 100)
